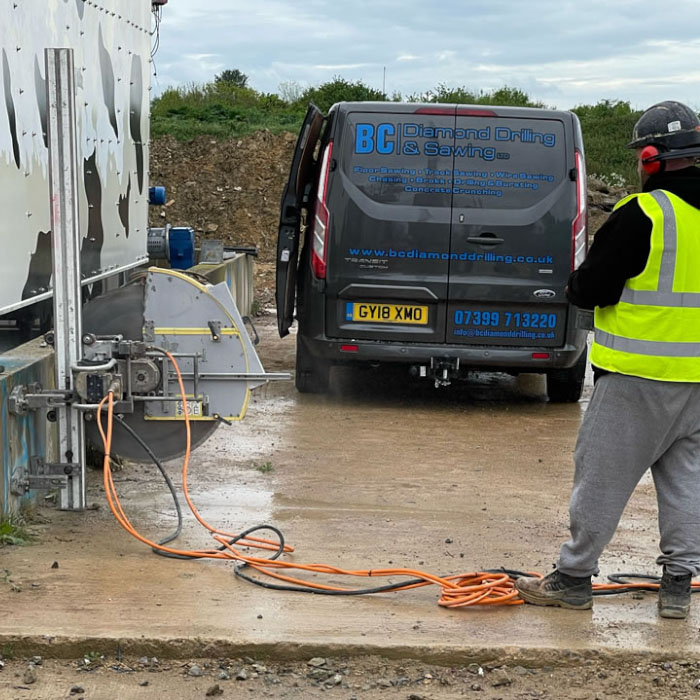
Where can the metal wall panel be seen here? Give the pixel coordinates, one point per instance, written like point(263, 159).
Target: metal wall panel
point(112, 41)
point(24, 436)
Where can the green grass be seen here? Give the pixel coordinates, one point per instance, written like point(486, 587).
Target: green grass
point(224, 111)
point(7, 651)
point(13, 532)
point(265, 468)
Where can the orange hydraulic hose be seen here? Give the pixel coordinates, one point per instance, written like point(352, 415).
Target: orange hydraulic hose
point(457, 591)
point(477, 588)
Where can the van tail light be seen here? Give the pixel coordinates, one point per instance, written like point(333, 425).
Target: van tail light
point(579, 237)
point(319, 249)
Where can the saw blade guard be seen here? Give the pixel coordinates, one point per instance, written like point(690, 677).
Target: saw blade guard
point(200, 326)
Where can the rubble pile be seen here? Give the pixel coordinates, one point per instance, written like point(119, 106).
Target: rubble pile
point(228, 190)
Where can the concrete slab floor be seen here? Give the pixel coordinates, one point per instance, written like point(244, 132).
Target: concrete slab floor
point(382, 472)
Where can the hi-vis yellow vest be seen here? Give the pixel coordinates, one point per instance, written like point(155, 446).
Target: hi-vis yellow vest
point(654, 330)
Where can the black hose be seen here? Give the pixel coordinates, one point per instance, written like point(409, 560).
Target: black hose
point(320, 591)
point(178, 530)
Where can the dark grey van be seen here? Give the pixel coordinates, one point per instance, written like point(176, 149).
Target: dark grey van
point(436, 236)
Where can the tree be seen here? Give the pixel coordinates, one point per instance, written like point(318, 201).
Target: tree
point(232, 76)
point(509, 96)
point(290, 91)
point(340, 90)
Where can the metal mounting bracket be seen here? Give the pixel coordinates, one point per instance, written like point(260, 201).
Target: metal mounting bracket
point(42, 475)
point(31, 397)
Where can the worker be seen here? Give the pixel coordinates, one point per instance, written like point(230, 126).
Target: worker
point(642, 277)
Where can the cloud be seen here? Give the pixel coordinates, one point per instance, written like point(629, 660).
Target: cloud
point(568, 52)
point(342, 66)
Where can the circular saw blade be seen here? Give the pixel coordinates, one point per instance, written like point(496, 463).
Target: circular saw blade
point(120, 312)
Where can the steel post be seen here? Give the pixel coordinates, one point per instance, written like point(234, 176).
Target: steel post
point(65, 235)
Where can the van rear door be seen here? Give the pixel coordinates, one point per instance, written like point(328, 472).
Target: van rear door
point(513, 206)
point(390, 202)
point(300, 177)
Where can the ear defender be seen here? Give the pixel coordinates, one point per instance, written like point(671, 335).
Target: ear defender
point(651, 163)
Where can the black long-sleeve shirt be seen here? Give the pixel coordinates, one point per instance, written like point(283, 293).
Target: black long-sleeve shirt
point(621, 247)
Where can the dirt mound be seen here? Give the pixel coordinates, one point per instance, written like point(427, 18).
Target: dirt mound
point(601, 200)
point(228, 190)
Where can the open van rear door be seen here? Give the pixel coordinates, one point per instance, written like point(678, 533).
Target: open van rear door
point(300, 175)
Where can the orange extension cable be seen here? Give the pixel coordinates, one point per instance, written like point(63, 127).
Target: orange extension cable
point(457, 591)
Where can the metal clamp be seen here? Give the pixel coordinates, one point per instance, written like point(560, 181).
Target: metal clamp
point(31, 397)
point(42, 475)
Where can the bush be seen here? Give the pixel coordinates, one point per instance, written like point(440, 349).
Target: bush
point(505, 96)
point(220, 109)
point(339, 90)
point(607, 127)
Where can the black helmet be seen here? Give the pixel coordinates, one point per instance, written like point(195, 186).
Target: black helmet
point(671, 125)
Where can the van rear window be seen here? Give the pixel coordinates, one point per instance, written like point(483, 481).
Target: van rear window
point(467, 161)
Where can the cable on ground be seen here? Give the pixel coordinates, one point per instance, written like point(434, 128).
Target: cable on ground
point(482, 588)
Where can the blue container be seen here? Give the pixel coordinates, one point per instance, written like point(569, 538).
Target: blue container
point(181, 241)
point(156, 196)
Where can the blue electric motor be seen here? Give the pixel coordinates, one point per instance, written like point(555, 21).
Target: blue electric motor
point(181, 243)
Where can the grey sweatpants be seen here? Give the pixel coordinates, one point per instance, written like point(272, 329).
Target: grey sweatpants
point(632, 425)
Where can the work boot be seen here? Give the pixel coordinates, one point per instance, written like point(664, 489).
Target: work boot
point(674, 595)
point(557, 589)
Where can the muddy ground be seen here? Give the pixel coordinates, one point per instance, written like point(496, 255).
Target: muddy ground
point(383, 471)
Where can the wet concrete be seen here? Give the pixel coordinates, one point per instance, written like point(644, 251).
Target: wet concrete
point(383, 472)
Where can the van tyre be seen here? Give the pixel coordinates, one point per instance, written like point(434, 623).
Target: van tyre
point(312, 375)
point(566, 385)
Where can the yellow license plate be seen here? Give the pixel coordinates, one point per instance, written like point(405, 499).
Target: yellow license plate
point(386, 313)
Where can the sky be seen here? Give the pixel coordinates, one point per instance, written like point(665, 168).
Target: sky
point(560, 52)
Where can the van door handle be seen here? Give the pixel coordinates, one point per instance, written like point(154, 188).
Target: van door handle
point(485, 240)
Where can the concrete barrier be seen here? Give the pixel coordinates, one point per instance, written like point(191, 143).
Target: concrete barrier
point(29, 435)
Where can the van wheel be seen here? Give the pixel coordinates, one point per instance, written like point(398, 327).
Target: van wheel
point(566, 385)
point(311, 375)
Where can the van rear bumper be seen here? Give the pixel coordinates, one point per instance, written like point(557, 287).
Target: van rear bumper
point(496, 358)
